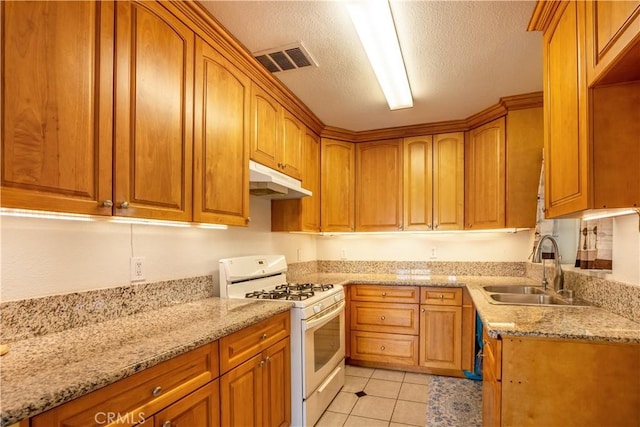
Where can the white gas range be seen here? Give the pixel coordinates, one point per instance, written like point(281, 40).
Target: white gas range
point(317, 328)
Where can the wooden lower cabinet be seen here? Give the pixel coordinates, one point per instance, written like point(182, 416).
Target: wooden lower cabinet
point(531, 381)
point(201, 408)
point(411, 328)
point(255, 390)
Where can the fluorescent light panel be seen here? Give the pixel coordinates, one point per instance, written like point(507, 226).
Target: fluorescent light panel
point(609, 214)
point(374, 24)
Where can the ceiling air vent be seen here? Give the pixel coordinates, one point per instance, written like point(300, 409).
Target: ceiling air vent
point(284, 58)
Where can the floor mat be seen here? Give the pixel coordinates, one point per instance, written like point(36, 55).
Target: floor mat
point(454, 402)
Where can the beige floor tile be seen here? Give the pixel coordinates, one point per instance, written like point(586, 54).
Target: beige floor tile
point(332, 419)
point(354, 421)
point(412, 413)
point(380, 408)
point(400, 425)
point(359, 371)
point(385, 374)
point(383, 388)
point(415, 378)
point(343, 403)
point(354, 384)
point(413, 392)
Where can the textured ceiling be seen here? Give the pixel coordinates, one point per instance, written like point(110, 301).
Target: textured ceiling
point(461, 56)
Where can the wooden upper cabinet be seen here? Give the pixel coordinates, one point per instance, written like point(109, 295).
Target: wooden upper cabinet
point(485, 176)
point(153, 113)
point(337, 200)
point(276, 135)
point(566, 141)
point(448, 181)
point(418, 183)
point(434, 182)
point(379, 186)
point(302, 214)
point(221, 139)
point(612, 32)
point(525, 140)
point(293, 134)
point(265, 127)
point(57, 71)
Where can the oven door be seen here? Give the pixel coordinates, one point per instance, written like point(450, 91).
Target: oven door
point(324, 345)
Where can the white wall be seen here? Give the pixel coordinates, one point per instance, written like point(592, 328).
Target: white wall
point(46, 256)
point(453, 246)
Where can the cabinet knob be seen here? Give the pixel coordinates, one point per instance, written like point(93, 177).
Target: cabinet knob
point(382, 347)
point(124, 205)
point(263, 337)
point(248, 220)
point(422, 310)
point(156, 391)
point(261, 364)
point(107, 203)
point(436, 226)
point(441, 297)
point(381, 317)
point(166, 424)
point(266, 359)
point(428, 226)
point(384, 294)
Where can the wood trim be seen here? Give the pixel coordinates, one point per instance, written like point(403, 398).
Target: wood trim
point(542, 15)
point(487, 115)
point(524, 101)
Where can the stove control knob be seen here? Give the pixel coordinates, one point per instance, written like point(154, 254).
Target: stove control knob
point(317, 308)
point(336, 298)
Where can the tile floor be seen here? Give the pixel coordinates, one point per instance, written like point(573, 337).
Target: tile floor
point(390, 399)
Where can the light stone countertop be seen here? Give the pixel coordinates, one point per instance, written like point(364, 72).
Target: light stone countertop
point(42, 372)
point(587, 323)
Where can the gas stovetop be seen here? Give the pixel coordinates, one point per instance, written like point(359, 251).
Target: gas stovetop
point(291, 291)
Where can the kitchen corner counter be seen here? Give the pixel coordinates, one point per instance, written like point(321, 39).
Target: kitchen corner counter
point(46, 371)
point(588, 323)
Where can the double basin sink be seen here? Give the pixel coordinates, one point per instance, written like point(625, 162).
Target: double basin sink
point(526, 295)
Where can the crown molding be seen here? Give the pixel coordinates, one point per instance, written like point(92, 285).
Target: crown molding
point(542, 15)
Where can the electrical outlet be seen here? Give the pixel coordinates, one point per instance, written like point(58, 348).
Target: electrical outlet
point(434, 254)
point(299, 255)
point(137, 269)
point(343, 254)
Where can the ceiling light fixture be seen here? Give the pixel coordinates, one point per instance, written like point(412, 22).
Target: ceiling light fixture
point(376, 29)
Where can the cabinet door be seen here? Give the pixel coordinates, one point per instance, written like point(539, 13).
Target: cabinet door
point(418, 183)
point(491, 399)
point(441, 337)
point(337, 200)
point(242, 394)
point(277, 384)
point(448, 181)
point(290, 155)
point(379, 186)
point(154, 113)
point(221, 140)
point(565, 141)
point(311, 181)
point(57, 71)
point(266, 122)
point(611, 29)
point(201, 408)
point(485, 176)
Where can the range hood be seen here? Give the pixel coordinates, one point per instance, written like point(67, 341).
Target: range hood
point(271, 184)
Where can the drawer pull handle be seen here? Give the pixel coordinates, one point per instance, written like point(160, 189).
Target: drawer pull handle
point(156, 391)
point(384, 294)
point(441, 297)
point(166, 424)
point(382, 347)
point(263, 337)
point(381, 317)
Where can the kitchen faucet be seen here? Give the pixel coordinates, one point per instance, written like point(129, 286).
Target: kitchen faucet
point(558, 279)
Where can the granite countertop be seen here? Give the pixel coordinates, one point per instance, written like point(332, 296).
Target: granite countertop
point(46, 371)
point(588, 323)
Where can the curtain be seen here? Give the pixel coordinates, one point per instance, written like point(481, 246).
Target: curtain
point(596, 243)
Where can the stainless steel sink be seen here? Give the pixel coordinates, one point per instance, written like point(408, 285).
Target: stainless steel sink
point(513, 289)
point(530, 299)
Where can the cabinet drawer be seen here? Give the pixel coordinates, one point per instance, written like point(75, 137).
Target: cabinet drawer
point(140, 395)
point(384, 348)
point(240, 346)
point(406, 294)
point(441, 296)
point(380, 317)
point(492, 350)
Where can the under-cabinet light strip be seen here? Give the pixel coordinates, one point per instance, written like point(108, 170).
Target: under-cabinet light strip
point(25, 213)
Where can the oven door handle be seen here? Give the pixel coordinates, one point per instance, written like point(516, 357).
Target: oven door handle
point(328, 380)
point(324, 318)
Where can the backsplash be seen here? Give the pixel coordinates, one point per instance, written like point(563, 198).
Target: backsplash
point(39, 316)
point(447, 268)
point(617, 297)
